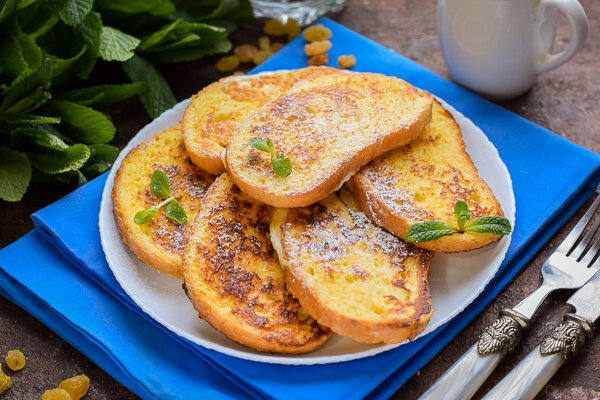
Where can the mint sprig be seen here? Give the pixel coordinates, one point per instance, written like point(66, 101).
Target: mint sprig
point(428, 231)
point(281, 166)
point(160, 185)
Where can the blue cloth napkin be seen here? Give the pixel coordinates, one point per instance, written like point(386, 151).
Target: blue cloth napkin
point(551, 178)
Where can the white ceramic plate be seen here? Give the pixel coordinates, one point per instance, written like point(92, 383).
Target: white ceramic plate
point(455, 280)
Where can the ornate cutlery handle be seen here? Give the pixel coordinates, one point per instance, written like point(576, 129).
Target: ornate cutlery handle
point(463, 379)
point(531, 375)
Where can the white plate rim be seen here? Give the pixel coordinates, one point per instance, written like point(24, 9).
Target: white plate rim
point(106, 211)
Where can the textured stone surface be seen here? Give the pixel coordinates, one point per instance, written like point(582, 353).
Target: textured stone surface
point(565, 100)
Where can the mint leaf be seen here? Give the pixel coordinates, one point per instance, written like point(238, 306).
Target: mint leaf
point(262, 145)
point(181, 55)
point(32, 53)
point(154, 7)
point(175, 212)
point(160, 184)
point(461, 213)
point(141, 217)
point(116, 45)
point(89, 125)
point(57, 161)
point(428, 231)
point(24, 85)
point(281, 165)
point(90, 31)
point(493, 224)
point(63, 68)
point(100, 159)
point(156, 96)
point(102, 95)
point(73, 12)
point(15, 174)
point(39, 137)
point(30, 119)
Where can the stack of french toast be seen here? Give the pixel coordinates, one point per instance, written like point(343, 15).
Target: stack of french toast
point(298, 188)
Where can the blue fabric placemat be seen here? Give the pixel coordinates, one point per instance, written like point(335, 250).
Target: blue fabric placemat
point(551, 178)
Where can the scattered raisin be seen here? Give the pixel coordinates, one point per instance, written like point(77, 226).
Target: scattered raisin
point(56, 394)
point(245, 52)
point(346, 61)
point(261, 56)
point(228, 63)
point(15, 360)
point(319, 59)
point(76, 386)
point(274, 27)
point(316, 33)
point(5, 381)
point(275, 47)
point(264, 43)
point(319, 47)
point(292, 28)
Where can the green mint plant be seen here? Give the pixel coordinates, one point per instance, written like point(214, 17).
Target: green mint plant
point(428, 231)
point(160, 185)
point(281, 166)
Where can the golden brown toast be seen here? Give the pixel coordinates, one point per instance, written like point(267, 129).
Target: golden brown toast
point(218, 108)
point(233, 277)
point(329, 127)
point(423, 181)
point(351, 275)
point(159, 242)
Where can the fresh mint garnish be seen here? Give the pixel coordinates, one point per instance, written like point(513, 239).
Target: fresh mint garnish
point(281, 166)
point(160, 185)
point(428, 231)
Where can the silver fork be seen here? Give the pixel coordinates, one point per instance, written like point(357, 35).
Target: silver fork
point(569, 267)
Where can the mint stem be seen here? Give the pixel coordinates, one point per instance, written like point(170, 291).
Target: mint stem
point(170, 199)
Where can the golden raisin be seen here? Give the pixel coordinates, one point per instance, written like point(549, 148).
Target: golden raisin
point(292, 28)
point(274, 27)
point(275, 47)
point(245, 52)
point(319, 59)
point(227, 63)
point(15, 360)
point(264, 43)
point(77, 386)
point(261, 56)
point(316, 33)
point(56, 394)
point(5, 381)
point(346, 61)
point(314, 48)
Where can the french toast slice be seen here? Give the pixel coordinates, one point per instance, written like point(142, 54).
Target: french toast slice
point(234, 280)
point(329, 127)
point(159, 242)
point(422, 181)
point(351, 275)
point(218, 108)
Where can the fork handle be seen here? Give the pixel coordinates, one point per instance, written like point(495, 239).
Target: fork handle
point(463, 379)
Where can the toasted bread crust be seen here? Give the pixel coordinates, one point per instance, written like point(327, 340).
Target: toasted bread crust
point(328, 127)
point(423, 181)
point(217, 109)
point(234, 280)
point(158, 243)
point(328, 250)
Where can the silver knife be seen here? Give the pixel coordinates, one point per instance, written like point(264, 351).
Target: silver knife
point(558, 346)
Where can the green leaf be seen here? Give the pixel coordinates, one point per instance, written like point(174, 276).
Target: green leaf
point(57, 161)
point(90, 31)
point(154, 7)
point(493, 224)
point(100, 159)
point(15, 174)
point(116, 45)
point(428, 231)
point(30, 119)
point(32, 54)
point(41, 137)
point(141, 217)
point(73, 12)
point(181, 33)
point(191, 54)
point(90, 126)
point(11, 57)
point(102, 95)
point(63, 68)
point(175, 212)
point(156, 96)
point(160, 184)
point(281, 166)
point(29, 102)
point(40, 18)
point(27, 83)
point(461, 213)
point(262, 145)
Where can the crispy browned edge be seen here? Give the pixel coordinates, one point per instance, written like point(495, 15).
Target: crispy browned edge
point(363, 331)
point(228, 327)
point(319, 190)
point(394, 223)
point(160, 264)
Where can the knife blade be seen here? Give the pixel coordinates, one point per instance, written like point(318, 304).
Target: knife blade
point(587, 300)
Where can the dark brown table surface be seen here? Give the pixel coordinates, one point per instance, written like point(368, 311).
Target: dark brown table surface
point(565, 101)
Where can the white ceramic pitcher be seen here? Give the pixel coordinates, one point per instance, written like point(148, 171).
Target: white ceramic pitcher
point(498, 47)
